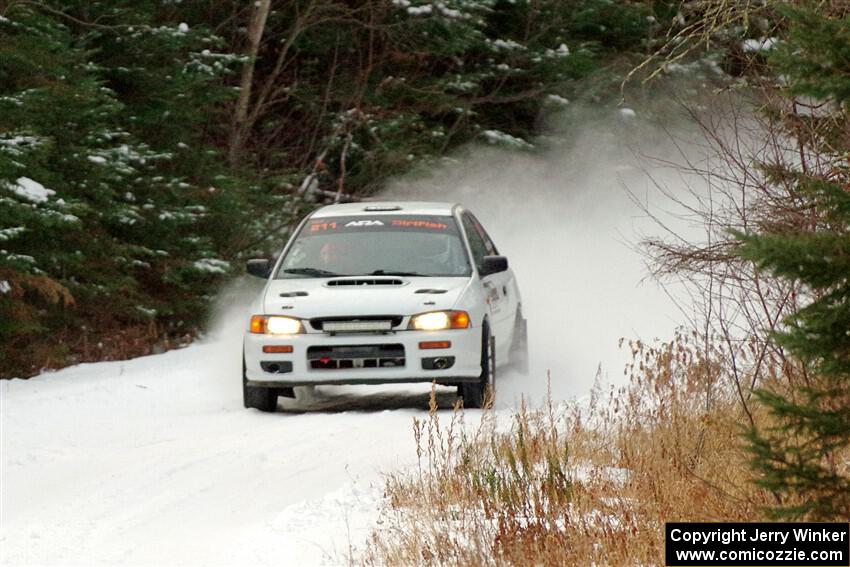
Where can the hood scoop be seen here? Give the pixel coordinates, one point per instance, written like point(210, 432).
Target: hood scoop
point(349, 282)
point(430, 291)
point(294, 294)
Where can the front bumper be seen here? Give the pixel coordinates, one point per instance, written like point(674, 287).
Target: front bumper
point(299, 368)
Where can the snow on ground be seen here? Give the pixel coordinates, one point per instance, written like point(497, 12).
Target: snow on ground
point(756, 45)
point(155, 461)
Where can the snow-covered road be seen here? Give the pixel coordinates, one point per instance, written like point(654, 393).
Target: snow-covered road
point(154, 461)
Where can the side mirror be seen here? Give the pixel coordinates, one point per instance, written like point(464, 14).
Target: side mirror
point(260, 268)
point(493, 265)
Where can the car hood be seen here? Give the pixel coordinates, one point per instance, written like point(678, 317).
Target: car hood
point(362, 296)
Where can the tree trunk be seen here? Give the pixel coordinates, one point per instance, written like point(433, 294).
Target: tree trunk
point(238, 130)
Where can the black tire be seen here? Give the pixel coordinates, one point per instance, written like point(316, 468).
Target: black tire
point(519, 345)
point(477, 394)
point(257, 397)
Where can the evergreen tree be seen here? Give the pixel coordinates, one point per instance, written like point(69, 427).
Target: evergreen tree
point(803, 455)
point(115, 217)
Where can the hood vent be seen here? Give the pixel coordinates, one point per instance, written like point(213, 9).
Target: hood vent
point(364, 281)
point(294, 294)
point(430, 291)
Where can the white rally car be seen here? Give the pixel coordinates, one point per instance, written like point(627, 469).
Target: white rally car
point(384, 292)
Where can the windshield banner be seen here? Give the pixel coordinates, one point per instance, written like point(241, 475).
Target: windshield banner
point(381, 223)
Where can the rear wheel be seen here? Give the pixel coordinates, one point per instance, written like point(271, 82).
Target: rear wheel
point(519, 345)
point(481, 392)
point(257, 397)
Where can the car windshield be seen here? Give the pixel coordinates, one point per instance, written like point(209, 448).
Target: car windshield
point(379, 245)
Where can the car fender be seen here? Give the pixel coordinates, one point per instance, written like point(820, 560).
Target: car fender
point(473, 300)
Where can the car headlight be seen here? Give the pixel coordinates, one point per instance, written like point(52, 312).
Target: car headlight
point(439, 320)
point(275, 325)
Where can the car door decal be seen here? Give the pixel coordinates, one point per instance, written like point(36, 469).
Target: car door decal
point(492, 297)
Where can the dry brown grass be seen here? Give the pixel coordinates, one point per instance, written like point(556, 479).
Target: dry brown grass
point(577, 485)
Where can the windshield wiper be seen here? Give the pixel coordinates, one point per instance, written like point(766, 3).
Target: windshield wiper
point(394, 273)
point(315, 272)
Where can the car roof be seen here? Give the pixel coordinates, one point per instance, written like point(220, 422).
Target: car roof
point(371, 208)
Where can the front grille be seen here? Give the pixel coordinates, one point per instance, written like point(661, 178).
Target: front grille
point(365, 281)
point(318, 323)
point(356, 356)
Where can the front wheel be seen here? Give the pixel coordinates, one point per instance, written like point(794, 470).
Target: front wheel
point(257, 397)
point(482, 392)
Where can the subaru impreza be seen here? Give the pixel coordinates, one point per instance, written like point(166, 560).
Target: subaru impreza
point(384, 292)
